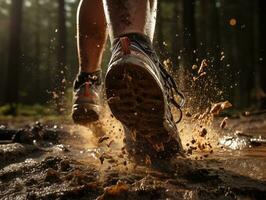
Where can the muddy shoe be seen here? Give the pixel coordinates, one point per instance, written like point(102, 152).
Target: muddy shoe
point(139, 93)
point(87, 98)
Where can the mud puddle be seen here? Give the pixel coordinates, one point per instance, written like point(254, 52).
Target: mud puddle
point(71, 162)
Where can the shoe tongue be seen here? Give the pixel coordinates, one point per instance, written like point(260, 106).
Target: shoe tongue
point(93, 77)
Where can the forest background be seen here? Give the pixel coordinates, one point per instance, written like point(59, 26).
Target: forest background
point(38, 55)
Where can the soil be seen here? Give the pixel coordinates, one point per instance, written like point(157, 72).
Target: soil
point(49, 161)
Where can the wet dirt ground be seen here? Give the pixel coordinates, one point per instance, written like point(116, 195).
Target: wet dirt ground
point(49, 161)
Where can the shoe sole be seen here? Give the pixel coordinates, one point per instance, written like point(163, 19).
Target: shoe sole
point(83, 115)
point(137, 100)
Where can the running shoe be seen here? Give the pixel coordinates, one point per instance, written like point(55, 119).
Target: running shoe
point(87, 98)
point(140, 93)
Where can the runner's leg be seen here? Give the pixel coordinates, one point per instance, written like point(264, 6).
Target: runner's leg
point(91, 34)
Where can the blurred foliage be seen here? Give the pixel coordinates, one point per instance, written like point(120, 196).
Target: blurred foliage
point(227, 33)
point(27, 110)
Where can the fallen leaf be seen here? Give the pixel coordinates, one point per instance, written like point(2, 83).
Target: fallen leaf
point(114, 191)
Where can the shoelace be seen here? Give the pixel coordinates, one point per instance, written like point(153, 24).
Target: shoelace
point(173, 89)
point(92, 78)
point(171, 84)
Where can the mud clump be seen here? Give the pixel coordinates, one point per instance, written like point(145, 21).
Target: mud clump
point(65, 165)
point(52, 176)
point(218, 107)
point(203, 132)
point(75, 183)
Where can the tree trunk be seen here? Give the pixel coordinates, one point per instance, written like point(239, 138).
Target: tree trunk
point(189, 37)
point(208, 47)
point(14, 56)
point(177, 42)
point(262, 53)
point(209, 33)
point(37, 53)
point(61, 56)
point(158, 40)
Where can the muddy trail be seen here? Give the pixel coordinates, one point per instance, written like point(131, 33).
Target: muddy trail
point(225, 160)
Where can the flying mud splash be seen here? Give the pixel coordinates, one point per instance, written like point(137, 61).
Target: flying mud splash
point(225, 159)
